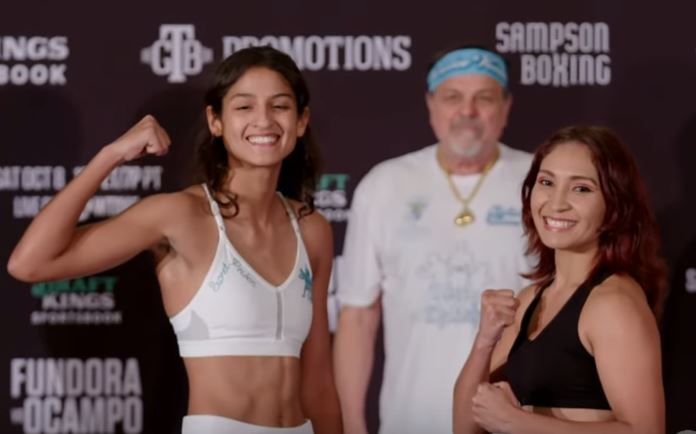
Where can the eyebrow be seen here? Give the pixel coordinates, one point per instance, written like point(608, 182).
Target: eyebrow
point(251, 95)
point(477, 91)
point(573, 178)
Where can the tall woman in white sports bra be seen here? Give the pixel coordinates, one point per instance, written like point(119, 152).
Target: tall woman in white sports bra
point(242, 260)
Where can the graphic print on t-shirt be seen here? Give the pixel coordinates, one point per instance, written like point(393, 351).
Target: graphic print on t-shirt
point(416, 207)
point(453, 281)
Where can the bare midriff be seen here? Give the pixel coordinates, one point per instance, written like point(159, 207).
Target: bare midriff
point(574, 414)
point(253, 389)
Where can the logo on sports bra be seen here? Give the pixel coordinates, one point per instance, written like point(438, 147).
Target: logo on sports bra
point(306, 276)
point(243, 272)
point(216, 283)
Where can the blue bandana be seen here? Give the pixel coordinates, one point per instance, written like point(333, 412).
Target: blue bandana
point(468, 61)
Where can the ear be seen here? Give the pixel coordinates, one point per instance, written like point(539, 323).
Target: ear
point(302, 122)
point(214, 123)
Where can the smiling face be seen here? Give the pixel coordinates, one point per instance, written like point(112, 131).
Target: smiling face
point(566, 203)
point(259, 120)
point(468, 113)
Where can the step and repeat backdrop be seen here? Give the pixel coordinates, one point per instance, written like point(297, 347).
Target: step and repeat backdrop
point(96, 354)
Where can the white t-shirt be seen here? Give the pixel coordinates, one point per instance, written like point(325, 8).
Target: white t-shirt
point(402, 242)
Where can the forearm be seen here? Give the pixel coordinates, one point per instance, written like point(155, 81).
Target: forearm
point(476, 370)
point(52, 230)
point(353, 361)
point(323, 409)
point(532, 423)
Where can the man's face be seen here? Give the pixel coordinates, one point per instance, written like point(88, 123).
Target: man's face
point(468, 113)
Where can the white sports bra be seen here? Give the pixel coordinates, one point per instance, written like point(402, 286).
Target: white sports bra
point(236, 312)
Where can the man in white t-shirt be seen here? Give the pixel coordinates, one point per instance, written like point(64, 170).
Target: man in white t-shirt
point(428, 232)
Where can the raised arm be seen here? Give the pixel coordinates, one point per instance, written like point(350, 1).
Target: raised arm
point(498, 328)
point(53, 248)
point(319, 397)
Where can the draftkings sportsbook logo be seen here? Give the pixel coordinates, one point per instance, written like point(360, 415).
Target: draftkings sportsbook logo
point(331, 198)
point(85, 300)
point(33, 60)
point(690, 280)
point(177, 53)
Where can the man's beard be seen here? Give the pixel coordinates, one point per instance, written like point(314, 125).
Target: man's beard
point(466, 138)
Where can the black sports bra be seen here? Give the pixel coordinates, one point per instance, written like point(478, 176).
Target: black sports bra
point(554, 369)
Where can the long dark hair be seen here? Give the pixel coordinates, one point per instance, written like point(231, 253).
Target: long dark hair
point(298, 172)
point(629, 240)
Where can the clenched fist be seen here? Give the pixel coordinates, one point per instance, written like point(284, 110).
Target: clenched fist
point(498, 309)
point(146, 137)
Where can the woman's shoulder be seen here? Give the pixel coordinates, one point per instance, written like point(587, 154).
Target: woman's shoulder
point(525, 297)
point(617, 288)
point(177, 204)
point(618, 300)
point(191, 195)
point(313, 220)
point(315, 228)
point(527, 294)
point(314, 224)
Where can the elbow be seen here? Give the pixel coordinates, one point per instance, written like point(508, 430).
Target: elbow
point(361, 317)
point(22, 269)
point(458, 419)
point(462, 415)
point(655, 428)
point(465, 425)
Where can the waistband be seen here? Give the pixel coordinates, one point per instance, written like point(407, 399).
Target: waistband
point(208, 424)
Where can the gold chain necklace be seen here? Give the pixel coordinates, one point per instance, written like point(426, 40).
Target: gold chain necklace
point(466, 216)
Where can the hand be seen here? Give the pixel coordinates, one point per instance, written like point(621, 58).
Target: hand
point(146, 137)
point(494, 407)
point(498, 309)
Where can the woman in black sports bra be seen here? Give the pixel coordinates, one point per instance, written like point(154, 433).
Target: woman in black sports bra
point(578, 351)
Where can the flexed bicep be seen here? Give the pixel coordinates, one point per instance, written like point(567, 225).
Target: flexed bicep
point(52, 248)
point(93, 247)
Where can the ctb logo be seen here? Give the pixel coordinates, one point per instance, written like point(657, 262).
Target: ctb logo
point(177, 53)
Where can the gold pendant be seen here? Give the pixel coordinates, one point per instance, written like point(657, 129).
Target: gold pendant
point(464, 218)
